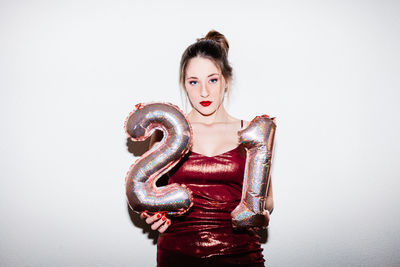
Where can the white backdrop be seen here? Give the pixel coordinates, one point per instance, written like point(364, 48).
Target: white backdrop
point(71, 71)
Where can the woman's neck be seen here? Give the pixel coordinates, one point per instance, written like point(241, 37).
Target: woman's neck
point(220, 115)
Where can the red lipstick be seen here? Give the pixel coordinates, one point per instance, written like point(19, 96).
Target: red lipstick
point(205, 103)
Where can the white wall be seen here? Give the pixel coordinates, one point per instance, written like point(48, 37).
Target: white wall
point(70, 72)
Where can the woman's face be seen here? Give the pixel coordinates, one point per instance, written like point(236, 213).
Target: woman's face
point(205, 85)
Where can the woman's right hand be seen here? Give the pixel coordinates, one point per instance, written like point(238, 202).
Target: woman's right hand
point(158, 221)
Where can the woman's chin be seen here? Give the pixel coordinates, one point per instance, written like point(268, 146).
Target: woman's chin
point(206, 112)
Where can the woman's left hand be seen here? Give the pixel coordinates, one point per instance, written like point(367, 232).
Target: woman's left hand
point(158, 221)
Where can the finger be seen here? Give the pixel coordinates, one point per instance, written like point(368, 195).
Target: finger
point(158, 223)
point(153, 218)
point(144, 215)
point(267, 220)
point(164, 227)
point(267, 213)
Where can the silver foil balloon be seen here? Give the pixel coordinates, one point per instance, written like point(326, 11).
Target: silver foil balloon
point(258, 139)
point(141, 190)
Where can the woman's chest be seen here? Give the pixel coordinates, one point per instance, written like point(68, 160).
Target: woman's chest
point(225, 168)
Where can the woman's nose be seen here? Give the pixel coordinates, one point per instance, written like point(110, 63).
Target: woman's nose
point(204, 91)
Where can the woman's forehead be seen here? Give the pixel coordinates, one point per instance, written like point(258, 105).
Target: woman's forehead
point(199, 66)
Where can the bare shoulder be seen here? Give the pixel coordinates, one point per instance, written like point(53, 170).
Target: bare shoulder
point(236, 123)
point(245, 123)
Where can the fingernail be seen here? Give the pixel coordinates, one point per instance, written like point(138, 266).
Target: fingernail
point(158, 215)
point(164, 218)
point(168, 222)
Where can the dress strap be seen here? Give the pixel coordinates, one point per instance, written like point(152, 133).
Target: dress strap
point(241, 124)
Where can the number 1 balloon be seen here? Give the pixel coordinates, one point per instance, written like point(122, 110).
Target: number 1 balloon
point(258, 139)
point(141, 190)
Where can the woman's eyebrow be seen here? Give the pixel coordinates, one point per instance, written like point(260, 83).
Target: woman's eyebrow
point(194, 77)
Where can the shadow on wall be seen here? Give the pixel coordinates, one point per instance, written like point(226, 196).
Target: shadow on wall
point(151, 234)
point(139, 148)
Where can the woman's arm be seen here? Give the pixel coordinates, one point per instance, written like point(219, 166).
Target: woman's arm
point(269, 203)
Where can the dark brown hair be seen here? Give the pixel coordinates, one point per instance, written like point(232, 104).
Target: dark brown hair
point(213, 46)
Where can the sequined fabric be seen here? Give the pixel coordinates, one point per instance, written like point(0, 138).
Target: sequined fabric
point(204, 235)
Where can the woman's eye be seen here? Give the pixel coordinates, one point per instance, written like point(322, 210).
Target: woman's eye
point(193, 82)
point(213, 80)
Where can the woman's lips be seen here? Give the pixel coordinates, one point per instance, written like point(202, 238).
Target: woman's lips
point(205, 103)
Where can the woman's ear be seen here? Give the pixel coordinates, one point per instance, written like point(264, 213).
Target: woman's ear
point(226, 85)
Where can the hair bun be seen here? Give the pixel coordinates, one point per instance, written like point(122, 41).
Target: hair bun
point(218, 38)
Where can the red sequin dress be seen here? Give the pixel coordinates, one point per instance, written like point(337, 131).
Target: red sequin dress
point(204, 235)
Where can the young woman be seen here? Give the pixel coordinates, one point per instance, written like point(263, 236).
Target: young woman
point(213, 170)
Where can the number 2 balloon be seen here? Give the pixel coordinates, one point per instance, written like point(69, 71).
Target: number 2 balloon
point(141, 190)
